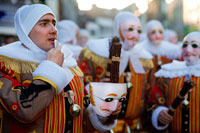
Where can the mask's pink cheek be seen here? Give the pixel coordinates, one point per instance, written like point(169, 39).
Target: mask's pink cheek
point(195, 51)
point(106, 105)
point(152, 37)
point(128, 35)
point(161, 37)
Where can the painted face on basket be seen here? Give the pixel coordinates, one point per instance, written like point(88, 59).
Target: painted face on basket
point(105, 97)
point(155, 35)
point(130, 33)
point(44, 32)
point(191, 50)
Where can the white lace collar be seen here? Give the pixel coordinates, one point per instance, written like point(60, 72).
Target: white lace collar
point(134, 54)
point(178, 69)
point(164, 49)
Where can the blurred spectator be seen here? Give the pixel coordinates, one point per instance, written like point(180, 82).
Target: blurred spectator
point(68, 35)
point(171, 36)
point(8, 39)
point(83, 37)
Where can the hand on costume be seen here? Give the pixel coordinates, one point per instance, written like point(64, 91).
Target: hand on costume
point(55, 55)
point(164, 117)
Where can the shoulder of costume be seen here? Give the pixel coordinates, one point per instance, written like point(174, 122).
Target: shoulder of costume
point(18, 66)
point(17, 58)
point(144, 54)
point(100, 47)
point(178, 69)
point(145, 57)
point(90, 55)
point(76, 71)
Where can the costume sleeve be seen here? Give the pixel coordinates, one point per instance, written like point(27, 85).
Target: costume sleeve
point(157, 101)
point(26, 100)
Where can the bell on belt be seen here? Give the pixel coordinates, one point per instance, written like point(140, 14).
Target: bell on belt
point(75, 110)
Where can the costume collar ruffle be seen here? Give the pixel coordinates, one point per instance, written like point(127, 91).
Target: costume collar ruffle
point(178, 69)
point(134, 54)
point(166, 49)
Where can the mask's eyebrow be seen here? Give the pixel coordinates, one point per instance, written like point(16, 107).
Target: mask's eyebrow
point(185, 42)
point(123, 95)
point(113, 94)
point(193, 41)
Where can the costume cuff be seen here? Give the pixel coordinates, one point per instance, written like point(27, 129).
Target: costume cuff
point(154, 118)
point(97, 124)
point(53, 72)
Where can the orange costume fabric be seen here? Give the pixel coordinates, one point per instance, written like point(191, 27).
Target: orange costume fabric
point(186, 117)
point(35, 97)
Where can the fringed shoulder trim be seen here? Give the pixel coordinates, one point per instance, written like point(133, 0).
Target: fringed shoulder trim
point(16, 65)
point(77, 71)
point(147, 63)
point(88, 54)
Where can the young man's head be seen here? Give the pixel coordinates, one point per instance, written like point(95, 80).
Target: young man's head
point(191, 48)
point(35, 27)
point(44, 32)
point(128, 28)
point(155, 31)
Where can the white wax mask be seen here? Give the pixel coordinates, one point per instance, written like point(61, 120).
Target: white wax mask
point(105, 97)
point(155, 35)
point(130, 33)
point(191, 48)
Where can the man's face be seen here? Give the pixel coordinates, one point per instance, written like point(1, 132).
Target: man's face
point(191, 50)
point(130, 30)
point(106, 97)
point(155, 35)
point(44, 32)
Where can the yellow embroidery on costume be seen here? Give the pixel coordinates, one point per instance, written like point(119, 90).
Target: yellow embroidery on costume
point(16, 89)
point(77, 71)
point(1, 84)
point(161, 100)
point(18, 66)
point(147, 63)
point(98, 60)
point(47, 80)
point(26, 81)
point(88, 78)
point(14, 107)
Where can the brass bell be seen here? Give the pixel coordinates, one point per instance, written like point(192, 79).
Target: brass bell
point(75, 110)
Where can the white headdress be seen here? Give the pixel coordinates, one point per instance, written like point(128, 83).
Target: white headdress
point(67, 31)
point(123, 16)
point(25, 19)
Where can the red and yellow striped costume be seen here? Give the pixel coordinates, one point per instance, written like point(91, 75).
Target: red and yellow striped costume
point(137, 94)
point(52, 119)
point(170, 88)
